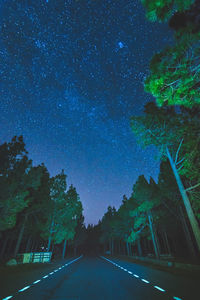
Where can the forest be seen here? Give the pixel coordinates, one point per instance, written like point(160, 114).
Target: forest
point(36, 210)
point(39, 213)
point(163, 217)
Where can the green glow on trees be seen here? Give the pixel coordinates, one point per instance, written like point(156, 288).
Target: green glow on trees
point(162, 10)
point(175, 72)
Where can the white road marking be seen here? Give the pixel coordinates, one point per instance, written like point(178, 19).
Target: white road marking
point(28, 286)
point(145, 280)
point(36, 281)
point(159, 288)
point(25, 288)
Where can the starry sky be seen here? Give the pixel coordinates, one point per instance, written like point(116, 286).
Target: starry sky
point(71, 76)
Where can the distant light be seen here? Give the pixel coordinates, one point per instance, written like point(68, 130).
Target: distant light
point(9, 297)
point(176, 298)
point(136, 275)
point(158, 288)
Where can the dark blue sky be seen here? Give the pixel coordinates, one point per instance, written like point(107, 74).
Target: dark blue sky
point(72, 74)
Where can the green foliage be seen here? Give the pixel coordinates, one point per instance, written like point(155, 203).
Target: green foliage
point(80, 232)
point(158, 126)
point(65, 209)
point(175, 72)
point(163, 127)
point(17, 179)
point(107, 224)
point(162, 10)
point(146, 199)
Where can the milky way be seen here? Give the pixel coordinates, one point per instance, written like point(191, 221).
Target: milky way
point(72, 74)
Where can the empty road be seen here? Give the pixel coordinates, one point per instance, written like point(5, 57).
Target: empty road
point(97, 278)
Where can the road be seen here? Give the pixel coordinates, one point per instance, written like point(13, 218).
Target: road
point(95, 278)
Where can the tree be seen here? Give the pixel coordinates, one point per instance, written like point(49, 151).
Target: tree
point(108, 229)
point(125, 223)
point(142, 193)
point(57, 185)
point(166, 129)
point(162, 10)
point(172, 216)
point(80, 234)
point(38, 202)
point(17, 178)
point(174, 72)
point(73, 209)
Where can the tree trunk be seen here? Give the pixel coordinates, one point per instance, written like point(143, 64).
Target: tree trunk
point(50, 236)
point(188, 207)
point(32, 245)
point(166, 242)
point(139, 247)
point(28, 244)
point(21, 232)
point(52, 248)
point(110, 248)
point(130, 247)
point(127, 248)
point(187, 233)
point(36, 246)
point(112, 241)
point(64, 249)
point(5, 242)
point(153, 235)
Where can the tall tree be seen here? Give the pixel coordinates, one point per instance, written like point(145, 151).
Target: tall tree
point(38, 202)
point(57, 194)
point(73, 210)
point(17, 178)
point(166, 129)
point(142, 193)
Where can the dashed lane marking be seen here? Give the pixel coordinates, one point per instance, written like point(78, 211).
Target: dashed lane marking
point(35, 282)
point(159, 288)
point(25, 288)
point(142, 279)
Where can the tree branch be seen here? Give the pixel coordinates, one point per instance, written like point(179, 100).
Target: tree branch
point(180, 161)
point(177, 152)
point(192, 187)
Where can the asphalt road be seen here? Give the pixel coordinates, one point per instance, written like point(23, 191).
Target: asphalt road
point(95, 278)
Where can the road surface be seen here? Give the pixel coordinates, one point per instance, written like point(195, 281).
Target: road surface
point(97, 278)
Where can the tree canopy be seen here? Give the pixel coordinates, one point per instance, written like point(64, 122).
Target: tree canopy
point(163, 10)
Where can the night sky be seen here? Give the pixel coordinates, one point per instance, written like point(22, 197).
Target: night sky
point(71, 75)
